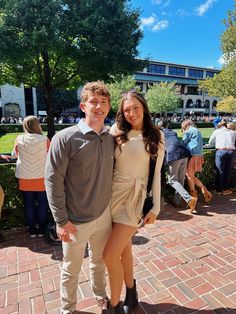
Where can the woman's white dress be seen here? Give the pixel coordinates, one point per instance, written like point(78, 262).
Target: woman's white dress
point(130, 178)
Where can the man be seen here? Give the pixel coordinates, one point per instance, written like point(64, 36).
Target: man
point(176, 158)
point(223, 139)
point(78, 184)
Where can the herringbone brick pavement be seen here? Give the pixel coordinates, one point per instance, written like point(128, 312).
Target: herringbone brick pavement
point(183, 264)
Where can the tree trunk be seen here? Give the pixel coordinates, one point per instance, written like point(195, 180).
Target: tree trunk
point(48, 91)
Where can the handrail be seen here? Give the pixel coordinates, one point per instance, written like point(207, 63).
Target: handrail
point(11, 160)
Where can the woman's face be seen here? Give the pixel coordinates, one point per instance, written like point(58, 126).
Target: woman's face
point(133, 113)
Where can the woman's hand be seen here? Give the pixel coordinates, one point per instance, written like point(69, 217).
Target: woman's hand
point(150, 218)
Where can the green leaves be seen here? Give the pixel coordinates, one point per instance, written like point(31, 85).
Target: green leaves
point(224, 84)
point(62, 44)
point(120, 85)
point(227, 104)
point(162, 97)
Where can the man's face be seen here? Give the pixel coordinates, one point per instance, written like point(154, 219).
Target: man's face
point(96, 108)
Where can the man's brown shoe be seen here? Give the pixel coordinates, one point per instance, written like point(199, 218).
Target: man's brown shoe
point(192, 204)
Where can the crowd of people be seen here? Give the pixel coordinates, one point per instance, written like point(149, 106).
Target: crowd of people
point(94, 180)
point(175, 118)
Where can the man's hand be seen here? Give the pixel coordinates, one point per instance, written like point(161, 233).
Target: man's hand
point(63, 232)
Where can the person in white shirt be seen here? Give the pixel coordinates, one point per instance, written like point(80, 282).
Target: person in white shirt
point(224, 141)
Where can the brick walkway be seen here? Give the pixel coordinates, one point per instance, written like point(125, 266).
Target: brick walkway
point(183, 264)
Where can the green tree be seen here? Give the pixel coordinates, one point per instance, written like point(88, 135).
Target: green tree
point(117, 87)
point(228, 38)
point(163, 97)
point(227, 104)
point(55, 44)
point(224, 83)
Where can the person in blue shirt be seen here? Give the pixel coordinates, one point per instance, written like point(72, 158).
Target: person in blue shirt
point(176, 160)
point(216, 121)
point(193, 141)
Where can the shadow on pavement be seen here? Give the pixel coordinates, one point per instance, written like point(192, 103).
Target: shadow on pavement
point(139, 240)
point(21, 239)
point(161, 308)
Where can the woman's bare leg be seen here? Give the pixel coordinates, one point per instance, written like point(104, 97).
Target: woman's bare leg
point(190, 180)
point(128, 266)
point(198, 183)
point(120, 237)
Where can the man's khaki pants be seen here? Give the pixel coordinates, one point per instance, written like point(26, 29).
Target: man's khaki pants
point(1, 199)
point(96, 234)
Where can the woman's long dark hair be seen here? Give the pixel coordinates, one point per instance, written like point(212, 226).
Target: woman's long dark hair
point(151, 134)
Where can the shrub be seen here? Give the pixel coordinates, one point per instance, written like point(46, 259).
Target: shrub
point(12, 213)
point(177, 125)
point(208, 174)
point(18, 128)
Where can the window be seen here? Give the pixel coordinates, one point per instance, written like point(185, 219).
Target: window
point(189, 104)
point(214, 104)
point(149, 85)
point(199, 103)
point(192, 90)
point(207, 104)
point(195, 73)
point(155, 68)
point(140, 86)
point(177, 71)
point(210, 73)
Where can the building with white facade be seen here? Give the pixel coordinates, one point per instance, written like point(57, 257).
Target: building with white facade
point(186, 78)
point(17, 101)
point(21, 101)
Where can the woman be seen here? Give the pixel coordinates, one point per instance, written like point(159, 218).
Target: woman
point(192, 140)
point(31, 151)
point(137, 139)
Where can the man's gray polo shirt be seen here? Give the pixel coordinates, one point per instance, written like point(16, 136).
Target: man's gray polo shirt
point(78, 174)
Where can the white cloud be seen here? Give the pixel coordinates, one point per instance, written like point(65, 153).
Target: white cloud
point(182, 13)
point(148, 21)
point(203, 8)
point(160, 25)
point(158, 2)
point(153, 24)
point(162, 3)
point(221, 60)
point(166, 3)
point(226, 58)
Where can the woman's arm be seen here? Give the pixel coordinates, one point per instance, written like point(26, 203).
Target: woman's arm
point(185, 139)
point(156, 185)
point(15, 148)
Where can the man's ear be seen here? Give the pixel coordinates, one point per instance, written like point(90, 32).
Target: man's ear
point(82, 106)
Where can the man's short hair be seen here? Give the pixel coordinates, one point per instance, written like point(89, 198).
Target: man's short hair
point(93, 88)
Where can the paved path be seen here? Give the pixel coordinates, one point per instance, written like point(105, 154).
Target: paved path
point(183, 264)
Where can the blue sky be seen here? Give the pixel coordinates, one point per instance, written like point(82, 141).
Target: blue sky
point(183, 31)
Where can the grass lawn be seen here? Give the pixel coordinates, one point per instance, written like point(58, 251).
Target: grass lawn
point(7, 140)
